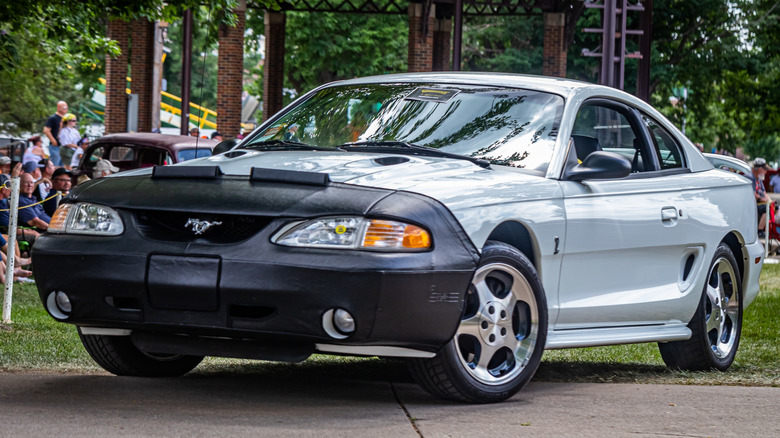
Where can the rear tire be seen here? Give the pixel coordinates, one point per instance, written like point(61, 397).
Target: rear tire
point(500, 341)
point(716, 326)
point(118, 355)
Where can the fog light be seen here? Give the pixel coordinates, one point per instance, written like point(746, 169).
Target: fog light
point(343, 321)
point(63, 302)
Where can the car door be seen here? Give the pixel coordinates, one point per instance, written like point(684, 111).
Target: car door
point(625, 238)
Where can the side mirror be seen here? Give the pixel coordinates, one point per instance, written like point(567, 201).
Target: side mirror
point(224, 146)
point(600, 165)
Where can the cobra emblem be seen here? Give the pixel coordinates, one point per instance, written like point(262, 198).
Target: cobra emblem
point(199, 226)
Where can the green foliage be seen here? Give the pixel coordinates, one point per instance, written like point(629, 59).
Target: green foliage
point(503, 44)
point(203, 85)
point(47, 47)
point(323, 47)
point(32, 81)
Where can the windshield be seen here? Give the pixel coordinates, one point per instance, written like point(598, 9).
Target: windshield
point(189, 154)
point(506, 126)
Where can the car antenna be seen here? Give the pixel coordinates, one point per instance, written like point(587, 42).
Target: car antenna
point(202, 75)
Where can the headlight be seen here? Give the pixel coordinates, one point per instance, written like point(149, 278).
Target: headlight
point(84, 218)
point(354, 232)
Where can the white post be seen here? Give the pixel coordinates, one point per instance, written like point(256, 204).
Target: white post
point(766, 232)
point(13, 205)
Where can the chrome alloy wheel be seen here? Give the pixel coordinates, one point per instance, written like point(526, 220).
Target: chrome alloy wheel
point(500, 325)
point(721, 308)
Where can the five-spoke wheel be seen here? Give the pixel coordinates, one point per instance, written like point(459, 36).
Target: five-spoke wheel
point(717, 324)
point(498, 345)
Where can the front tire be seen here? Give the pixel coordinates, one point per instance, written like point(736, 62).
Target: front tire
point(118, 355)
point(500, 340)
point(716, 326)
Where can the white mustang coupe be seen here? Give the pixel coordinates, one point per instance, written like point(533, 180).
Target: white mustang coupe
point(467, 222)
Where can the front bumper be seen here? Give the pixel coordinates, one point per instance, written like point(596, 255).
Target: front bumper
point(256, 290)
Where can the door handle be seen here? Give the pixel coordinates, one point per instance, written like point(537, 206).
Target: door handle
point(669, 215)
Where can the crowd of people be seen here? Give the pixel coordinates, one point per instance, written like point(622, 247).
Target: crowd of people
point(44, 177)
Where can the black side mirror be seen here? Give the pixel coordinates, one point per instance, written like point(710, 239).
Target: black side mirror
point(224, 146)
point(600, 165)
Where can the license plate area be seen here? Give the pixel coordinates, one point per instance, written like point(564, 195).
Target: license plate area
point(183, 282)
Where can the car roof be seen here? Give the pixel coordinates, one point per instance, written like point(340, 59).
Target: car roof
point(541, 83)
point(175, 142)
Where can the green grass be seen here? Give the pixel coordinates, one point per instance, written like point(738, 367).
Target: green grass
point(35, 342)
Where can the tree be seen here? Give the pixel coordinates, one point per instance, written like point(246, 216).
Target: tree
point(47, 47)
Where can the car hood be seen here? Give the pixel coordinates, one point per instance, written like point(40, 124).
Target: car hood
point(458, 184)
point(444, 179)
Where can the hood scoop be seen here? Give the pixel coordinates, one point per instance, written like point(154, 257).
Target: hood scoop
point(234, 154)
point(390, 161)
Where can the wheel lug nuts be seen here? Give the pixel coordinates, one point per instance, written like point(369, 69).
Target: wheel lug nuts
point(484, 324)
point(503, 314)
point(491, 310)
point(492, 338)
point(503, 331)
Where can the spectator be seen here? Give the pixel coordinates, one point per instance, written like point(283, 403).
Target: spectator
point(216, 136)
point(45, 183)
point(35, 152)
point(195, 132)
point(33, 168)
point(52, 131)
point(32, 215)
point(103, 168)
point(774, 182)
point(5, 165)
point(69, 137)
point(81, 146)
point(60, 184)
point(291, 134)
point(762, 200)
point(23, 234)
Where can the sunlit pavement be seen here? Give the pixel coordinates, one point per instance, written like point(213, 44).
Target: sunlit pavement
point(35, 405)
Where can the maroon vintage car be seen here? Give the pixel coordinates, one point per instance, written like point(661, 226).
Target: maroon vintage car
point(134, 150)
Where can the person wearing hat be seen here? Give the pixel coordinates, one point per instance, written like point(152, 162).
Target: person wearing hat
point(216, 136)
point(5, 164)
point(33, 168)
point(61, 182)
point(22, 233)
point(103, 168)
point(762, 199)
point(68, 138)
point(194, 132)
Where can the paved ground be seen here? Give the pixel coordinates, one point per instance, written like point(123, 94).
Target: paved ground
point(36, 405)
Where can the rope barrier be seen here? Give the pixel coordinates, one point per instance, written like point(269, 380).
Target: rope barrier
point(31, 205)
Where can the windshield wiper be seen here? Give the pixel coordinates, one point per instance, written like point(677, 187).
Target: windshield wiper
point(394, 145)
point(283, 145)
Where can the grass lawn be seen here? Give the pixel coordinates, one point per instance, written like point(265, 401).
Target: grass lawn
point(35, 342)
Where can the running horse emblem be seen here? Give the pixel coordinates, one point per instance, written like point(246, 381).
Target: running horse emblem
point(199, 226)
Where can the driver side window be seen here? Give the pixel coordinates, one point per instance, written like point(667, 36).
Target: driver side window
point(607, 129)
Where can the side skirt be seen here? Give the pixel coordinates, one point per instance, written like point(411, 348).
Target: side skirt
point(594, 337)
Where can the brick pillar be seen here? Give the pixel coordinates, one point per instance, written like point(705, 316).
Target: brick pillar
point(420, 44)
point(273, 68)
point(554, 56)
point(441, 44)
point(142, 69)
point(116, 78)
point(230, 77)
